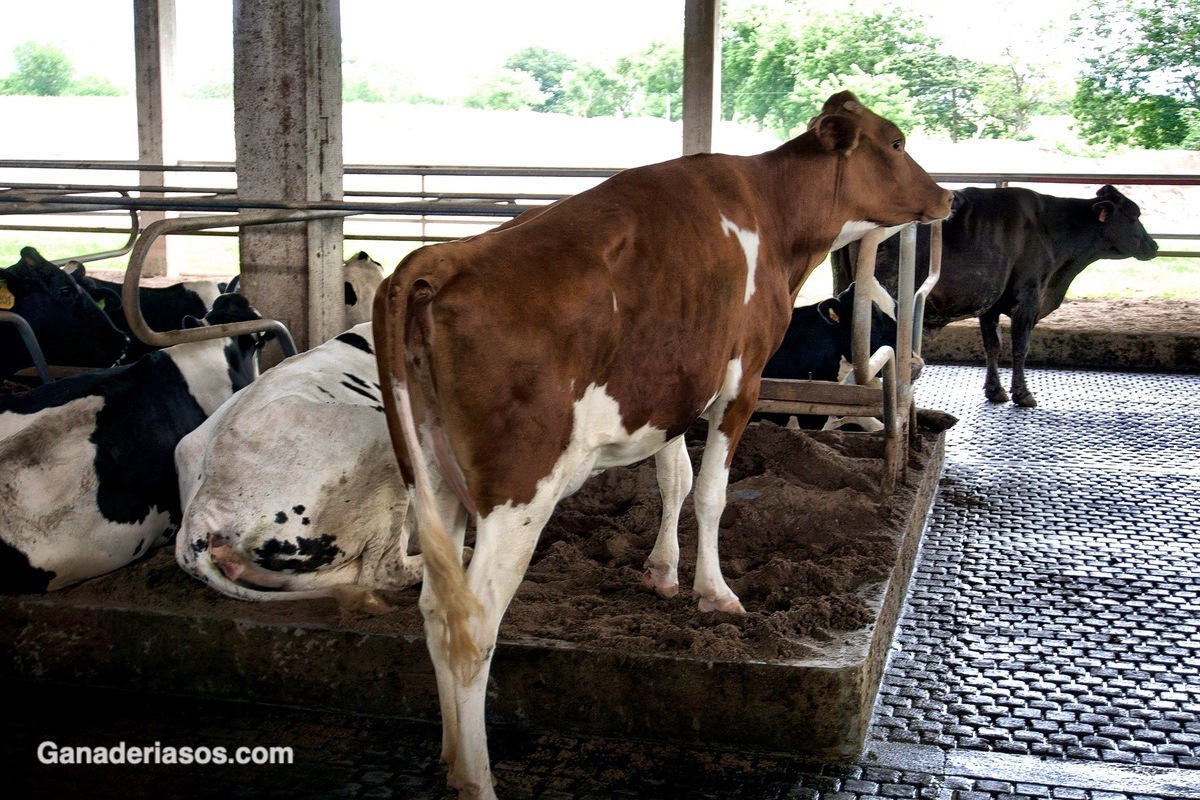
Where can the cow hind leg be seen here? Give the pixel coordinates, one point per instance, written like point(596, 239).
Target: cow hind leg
point(1024, 317)
point(504, 544)
point(989, 327)
point(674, 482)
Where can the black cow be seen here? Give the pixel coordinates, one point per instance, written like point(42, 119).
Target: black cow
point(1014, 252)
point(164, 307)
point(70, 328)
point(818, 343)
point(89, 480)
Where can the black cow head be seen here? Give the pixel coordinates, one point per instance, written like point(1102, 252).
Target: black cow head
point(242, 351)
point(838, 312)
point(1124, 234)
point(70, 328)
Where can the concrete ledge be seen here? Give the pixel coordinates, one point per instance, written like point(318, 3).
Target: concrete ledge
point(179, 638)
point(1151, 335)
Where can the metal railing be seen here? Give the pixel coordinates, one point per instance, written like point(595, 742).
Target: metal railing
point(440, 203)
point(892, 400)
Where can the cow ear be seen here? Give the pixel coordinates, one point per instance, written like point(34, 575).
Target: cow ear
point(830, 310)
point(1104, 210)
point(75, 269)
point(351, 295)
point(837, 133)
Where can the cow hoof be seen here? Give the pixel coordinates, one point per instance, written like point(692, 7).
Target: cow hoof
point(1024, 399)
point(995, 394)
point(730, 605)
point(662, 587)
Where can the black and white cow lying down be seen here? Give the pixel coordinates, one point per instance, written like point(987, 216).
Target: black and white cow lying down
point(70, 328)
point(291, 488)
point(1012, 251)
point(89, 480)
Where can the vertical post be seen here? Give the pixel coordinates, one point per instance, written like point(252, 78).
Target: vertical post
point(154, 48)
point(287, 94)
point(701, 74)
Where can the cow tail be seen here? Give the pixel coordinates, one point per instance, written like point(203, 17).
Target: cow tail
point(401, 319)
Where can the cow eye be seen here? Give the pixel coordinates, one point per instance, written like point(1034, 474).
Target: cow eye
point(66, 292)
point(898, 144)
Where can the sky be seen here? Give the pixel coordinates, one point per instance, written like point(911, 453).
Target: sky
point(448, 44)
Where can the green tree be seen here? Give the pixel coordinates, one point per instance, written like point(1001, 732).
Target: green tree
point(1141, 83)
point(593, 91)
point(42, 69)
point(507, 90)
point(655, 78)
point(548, 67)
point(776, 58)
point(91, 86)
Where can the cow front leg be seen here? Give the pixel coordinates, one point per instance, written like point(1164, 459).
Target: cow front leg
point(1024, 317)
point(989, 327)
point(724, 432)
point(674, 482)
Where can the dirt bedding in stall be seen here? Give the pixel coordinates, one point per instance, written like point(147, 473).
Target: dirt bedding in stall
point(805, 543)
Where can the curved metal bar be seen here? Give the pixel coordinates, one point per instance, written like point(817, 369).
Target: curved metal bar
point(134, 227)
point(922, 294)
point(133, 274)
point(31, 344)
point(860, 342)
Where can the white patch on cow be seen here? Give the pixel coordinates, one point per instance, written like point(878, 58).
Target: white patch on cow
point(851, 232)
point(749, 241)
point(364, 275)
point(599, 440)
point(330, 472)
point(881, 298)
point(614, 295)
point(200, 363)
point(48, 507)
point(207, 291)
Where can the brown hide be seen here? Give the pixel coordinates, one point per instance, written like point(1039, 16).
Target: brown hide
point(505, 331)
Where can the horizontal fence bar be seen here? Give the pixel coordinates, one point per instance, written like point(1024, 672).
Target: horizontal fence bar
point(425, 207)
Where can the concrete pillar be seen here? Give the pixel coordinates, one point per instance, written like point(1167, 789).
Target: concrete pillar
point(701, 74)
point(154, 49)
point(287, 98)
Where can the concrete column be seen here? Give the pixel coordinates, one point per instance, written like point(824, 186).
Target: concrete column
point(701, 74)
point(154, 48)
point(287, 98)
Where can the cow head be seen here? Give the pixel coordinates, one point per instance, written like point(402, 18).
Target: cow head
point(878, 180)
point(838, 313)
point(70, 328)
point(362, 276)
point(1124, 234)
point(108, 300)
point(241, 352)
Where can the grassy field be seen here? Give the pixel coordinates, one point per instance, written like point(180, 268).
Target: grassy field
point(1172, 278)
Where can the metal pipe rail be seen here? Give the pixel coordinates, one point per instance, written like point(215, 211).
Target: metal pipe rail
point(31, 344)
point(507, 203)
point(133, 274)
point(893, 398)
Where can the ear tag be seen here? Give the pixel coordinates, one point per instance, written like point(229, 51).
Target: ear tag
point(7, 299)
point(101, 302)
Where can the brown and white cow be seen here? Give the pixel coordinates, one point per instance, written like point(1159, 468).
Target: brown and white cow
point(593, 334)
